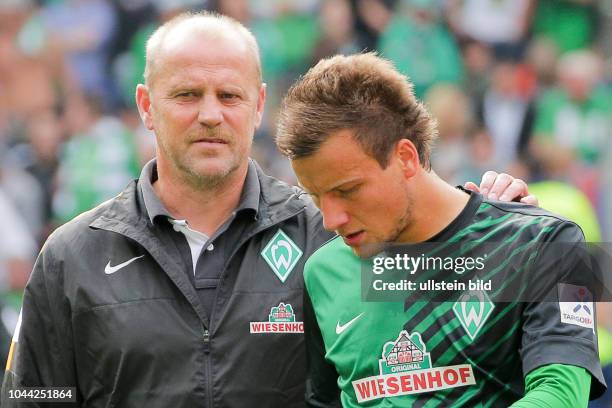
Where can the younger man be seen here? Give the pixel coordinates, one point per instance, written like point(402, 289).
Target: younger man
point(359, 143)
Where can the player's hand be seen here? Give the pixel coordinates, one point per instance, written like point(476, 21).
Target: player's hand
point(503, 187)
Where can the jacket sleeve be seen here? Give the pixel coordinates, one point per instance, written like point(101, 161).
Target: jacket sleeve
point(322, 378)
point(41, 353)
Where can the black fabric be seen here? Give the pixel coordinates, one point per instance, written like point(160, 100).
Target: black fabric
point(321, 385)
point(140, 337)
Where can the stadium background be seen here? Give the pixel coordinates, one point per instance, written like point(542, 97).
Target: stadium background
point(523, 86)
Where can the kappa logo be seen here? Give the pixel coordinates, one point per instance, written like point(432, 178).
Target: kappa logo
point(281, 254)
point(280, 320)
point(473, 309)
point(405, 368)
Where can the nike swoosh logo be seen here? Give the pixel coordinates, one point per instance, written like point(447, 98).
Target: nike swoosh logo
point(340, 329)
point(112, 269)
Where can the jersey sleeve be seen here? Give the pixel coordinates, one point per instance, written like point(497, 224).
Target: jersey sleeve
point(559, 318)
point(556, 386)
point(322, 378)
point(41, 352)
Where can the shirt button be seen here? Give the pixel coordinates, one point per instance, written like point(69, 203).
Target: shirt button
point(210, 247)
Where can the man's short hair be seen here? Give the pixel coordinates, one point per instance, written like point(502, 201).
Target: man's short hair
point(204, 19)
point(363, 93)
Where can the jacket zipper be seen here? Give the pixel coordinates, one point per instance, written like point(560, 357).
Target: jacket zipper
point(207, 370)
point(206, 332)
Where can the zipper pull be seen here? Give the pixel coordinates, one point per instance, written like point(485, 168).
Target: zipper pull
point(206, 337)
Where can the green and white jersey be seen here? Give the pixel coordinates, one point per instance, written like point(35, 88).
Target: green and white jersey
point(424, 353)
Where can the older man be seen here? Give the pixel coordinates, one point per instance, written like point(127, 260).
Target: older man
point(186, 289)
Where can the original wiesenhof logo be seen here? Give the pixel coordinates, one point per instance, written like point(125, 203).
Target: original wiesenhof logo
point(282, 254)
point(282, 313)
point(405, 368)
point(280, 320)
point(473, 308)
point(406, 353)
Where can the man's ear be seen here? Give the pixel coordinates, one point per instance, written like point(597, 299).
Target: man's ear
point(261, 101)
point(143, 102)
point(408, 156)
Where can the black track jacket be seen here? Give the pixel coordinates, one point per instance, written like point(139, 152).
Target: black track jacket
point(135, 335)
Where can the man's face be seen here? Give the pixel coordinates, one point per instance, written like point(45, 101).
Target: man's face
point(205, 104)
point(363, 203)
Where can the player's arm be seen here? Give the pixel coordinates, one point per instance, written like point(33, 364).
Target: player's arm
point(322, 379)
point(556, 386)
point(41, 353)
point(559, 343)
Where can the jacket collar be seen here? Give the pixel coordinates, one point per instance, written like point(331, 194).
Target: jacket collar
point(276, 201)
point(249, 198)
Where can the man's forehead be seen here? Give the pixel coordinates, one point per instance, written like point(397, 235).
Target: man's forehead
point(339, 160)
point(206, 52)
point(206, 33)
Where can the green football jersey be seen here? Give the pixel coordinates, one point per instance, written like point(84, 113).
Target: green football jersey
point(471, 350)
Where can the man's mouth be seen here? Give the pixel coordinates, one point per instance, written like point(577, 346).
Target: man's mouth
point(354, 238)
point(211, 141)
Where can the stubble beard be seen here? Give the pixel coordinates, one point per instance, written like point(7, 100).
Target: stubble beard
point(403, 222)
point(206, 181)
point(186, 167)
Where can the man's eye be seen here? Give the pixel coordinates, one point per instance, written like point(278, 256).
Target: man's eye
point(348, 191)
point(228, 96)
point(188, 94)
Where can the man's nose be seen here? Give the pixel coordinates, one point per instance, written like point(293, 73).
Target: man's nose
point(211, 111)
point(334, 213)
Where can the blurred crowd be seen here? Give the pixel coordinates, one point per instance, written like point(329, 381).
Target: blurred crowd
point(522, 86)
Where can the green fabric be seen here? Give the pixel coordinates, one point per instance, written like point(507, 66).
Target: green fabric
point(374, 342)
point(556, 386)
point(427, 54)
point(336, 263)
point(571, 26)
point(585, 126)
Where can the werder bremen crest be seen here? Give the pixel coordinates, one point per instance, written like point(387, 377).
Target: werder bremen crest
point(473, 308)
point(281, 254)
